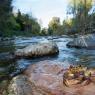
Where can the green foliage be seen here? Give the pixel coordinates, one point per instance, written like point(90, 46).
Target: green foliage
point(5, 12)
point(80, 10)
point(44, 32)
point(81, 23)
point(27, 24)
point(10, 24)
point(54, 25)
point(24, 24)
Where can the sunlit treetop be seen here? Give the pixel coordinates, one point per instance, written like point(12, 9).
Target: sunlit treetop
point(81, 3)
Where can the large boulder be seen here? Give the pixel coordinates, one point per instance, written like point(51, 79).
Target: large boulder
point(83, 41)
point(46, 78)
point(39, 49)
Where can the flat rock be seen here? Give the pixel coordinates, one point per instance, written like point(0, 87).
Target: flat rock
point(44, 78)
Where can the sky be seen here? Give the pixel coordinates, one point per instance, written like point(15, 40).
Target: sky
point(43, 10)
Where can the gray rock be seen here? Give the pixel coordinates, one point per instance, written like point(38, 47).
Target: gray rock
point(39, 49)
point(85, 41)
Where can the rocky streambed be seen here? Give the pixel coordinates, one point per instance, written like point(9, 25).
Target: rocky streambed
point(36, 76)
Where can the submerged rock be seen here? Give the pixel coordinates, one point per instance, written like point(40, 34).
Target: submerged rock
point(83, 41)
point(44, 78)
point(36, 50)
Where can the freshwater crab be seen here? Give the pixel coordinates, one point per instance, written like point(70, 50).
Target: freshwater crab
point(78, 75)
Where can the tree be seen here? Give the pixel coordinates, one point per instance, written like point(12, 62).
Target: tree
point(67, 26)
point(54, 24)
point(44, 31)
point(28, 24)
point(5, 12)
point(19, 20)
point(12, 24)
point(80, 10)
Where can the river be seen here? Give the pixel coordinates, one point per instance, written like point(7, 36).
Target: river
point(10, 67)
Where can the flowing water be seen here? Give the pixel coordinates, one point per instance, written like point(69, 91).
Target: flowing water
point(10, 67)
